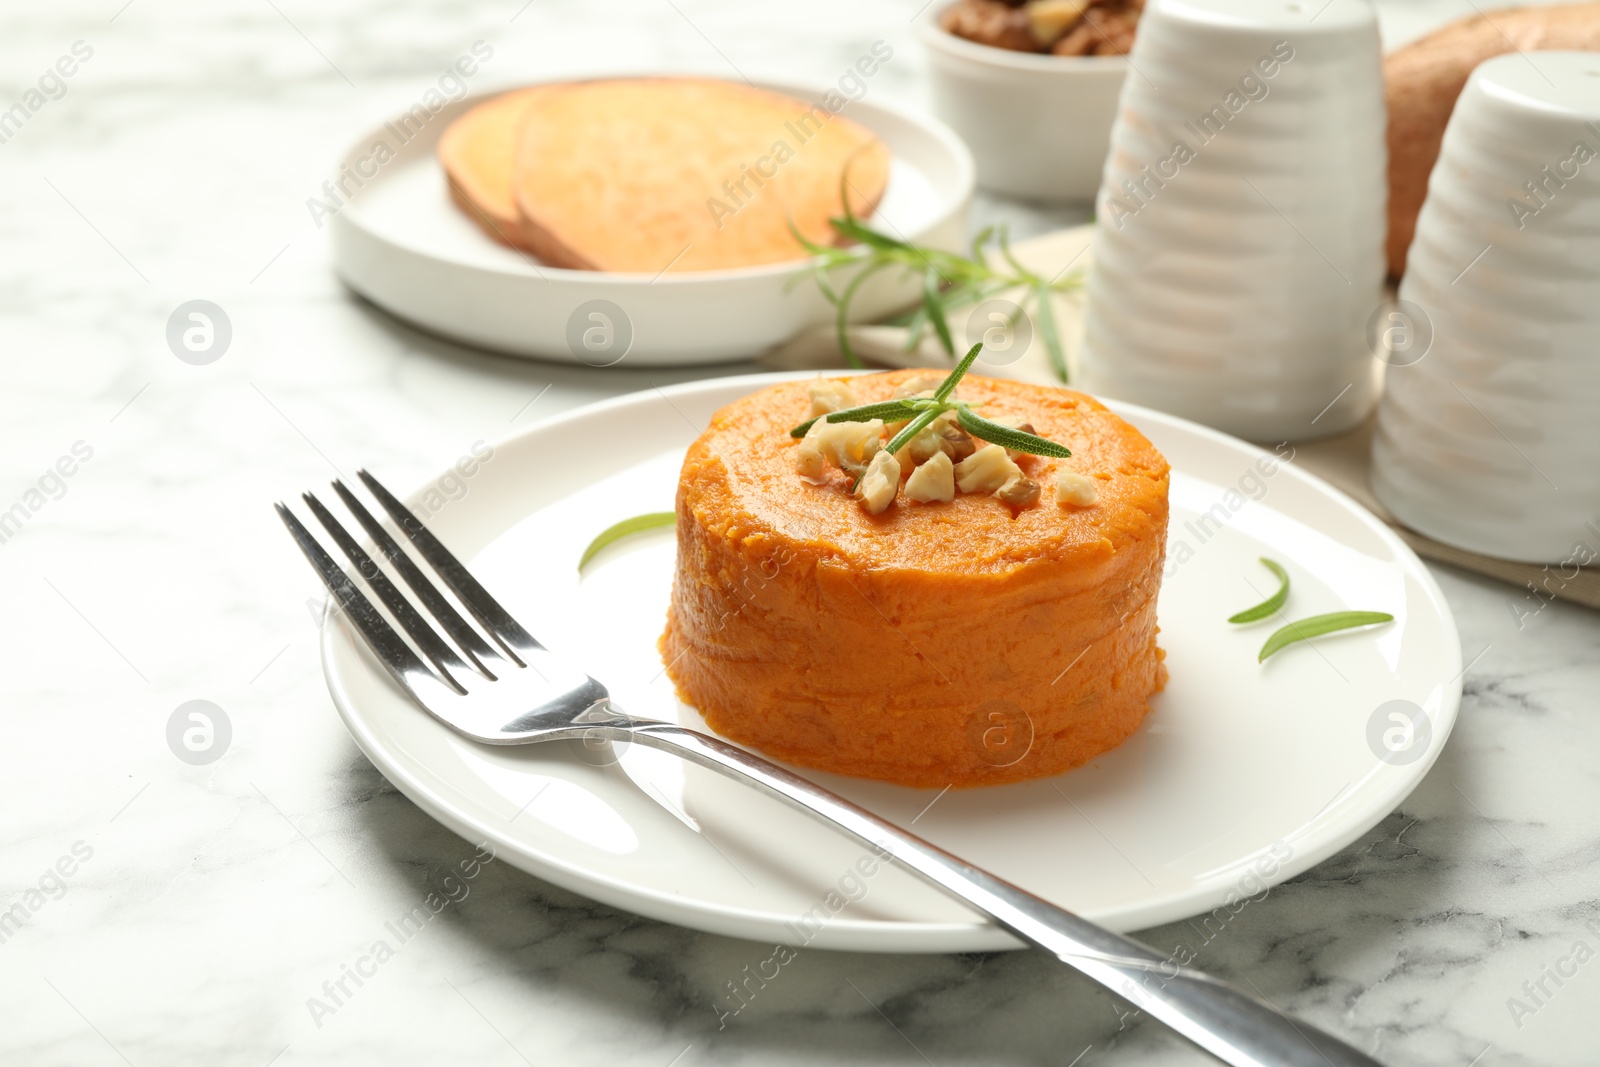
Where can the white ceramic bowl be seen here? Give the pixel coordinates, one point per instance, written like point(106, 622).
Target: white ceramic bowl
point(1239, 248)
point(403, 245)
point(1038, 125)
point(1488, 440)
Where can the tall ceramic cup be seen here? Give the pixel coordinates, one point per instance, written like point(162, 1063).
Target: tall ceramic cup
point(1489, 440)
point(1239, 244)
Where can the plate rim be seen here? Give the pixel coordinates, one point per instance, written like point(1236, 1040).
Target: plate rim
point(883, 935)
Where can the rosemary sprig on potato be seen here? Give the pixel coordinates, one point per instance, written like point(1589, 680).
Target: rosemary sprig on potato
point(922, 411)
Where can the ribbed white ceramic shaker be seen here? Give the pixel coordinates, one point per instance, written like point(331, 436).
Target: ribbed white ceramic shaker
point(1490, 441)
point(1239, 248)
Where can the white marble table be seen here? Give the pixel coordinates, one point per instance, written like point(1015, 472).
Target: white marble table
point(177, 914)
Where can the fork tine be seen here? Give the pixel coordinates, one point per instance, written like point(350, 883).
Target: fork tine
point(391, 651)
point(488, 611)
point(441, 655)
point(432, 600)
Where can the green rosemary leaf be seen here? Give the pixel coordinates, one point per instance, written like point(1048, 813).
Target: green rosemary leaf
point(955, 270)
point(908, 318)
point(1317, 625)
point(805, 242)
point(949, 279)
point(948, 386)
point(1022, 272)
point(971, 291)
point(1006, 436)
point(841, 320)
point(626, 528)
point(820, 266)
point(916, 329)
point(979, 241)
point(1052, 334)
point(911, 429)
point(958, 295)
point(1270, 605)
point(931, 300)
point(849, 227)
point(887, 410)
point(826, 285)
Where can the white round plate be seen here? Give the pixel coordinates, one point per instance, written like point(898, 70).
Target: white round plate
point(403, 244)
point(1240, 767)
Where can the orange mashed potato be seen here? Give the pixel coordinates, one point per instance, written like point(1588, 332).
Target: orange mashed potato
point(962, 643)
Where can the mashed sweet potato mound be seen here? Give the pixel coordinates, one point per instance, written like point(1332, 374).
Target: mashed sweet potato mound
point(961, 643)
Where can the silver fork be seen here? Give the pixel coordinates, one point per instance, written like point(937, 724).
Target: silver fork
point(511, 690)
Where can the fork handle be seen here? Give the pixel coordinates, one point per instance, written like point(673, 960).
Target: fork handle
point(1233, 1026)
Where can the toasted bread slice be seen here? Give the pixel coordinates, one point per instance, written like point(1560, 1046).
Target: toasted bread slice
point(685, 174)
point(477, 151)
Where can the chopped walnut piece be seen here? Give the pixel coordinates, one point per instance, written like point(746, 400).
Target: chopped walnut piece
point(1079, 41)
point(1114, 28)
point(933, 481)
point(943, 437)
point(848, 445)
point(956, 443)
point(917, 386)
point(915, 451)
point(1020, 492)
point(990, 22)
point(986, 470)
point(1051, 19)
point(829, 395)
point(1063, 27)
point(880, 483)
point(808, 457)
point(1072, 488)
point(924, 446)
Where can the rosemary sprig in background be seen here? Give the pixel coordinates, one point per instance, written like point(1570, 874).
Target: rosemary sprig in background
point(949, 280)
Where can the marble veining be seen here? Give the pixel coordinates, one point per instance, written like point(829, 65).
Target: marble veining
point(207, 907)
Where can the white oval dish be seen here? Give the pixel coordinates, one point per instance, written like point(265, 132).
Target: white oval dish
point(1240, 766)
point(402, 244)
point(1039, 126)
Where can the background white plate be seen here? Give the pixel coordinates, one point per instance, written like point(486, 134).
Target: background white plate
point(1236, 758)
point(405, 246)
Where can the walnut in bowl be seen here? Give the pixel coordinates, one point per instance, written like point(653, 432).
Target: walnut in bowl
point(1059, 27)
point(1032, 88)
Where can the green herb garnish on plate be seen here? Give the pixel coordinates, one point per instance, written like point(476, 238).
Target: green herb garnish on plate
point(1317, 625)
point(1270, 605)
point(626, 528)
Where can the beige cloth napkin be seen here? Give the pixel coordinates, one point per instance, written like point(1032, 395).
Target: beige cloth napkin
point(1345, 460)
